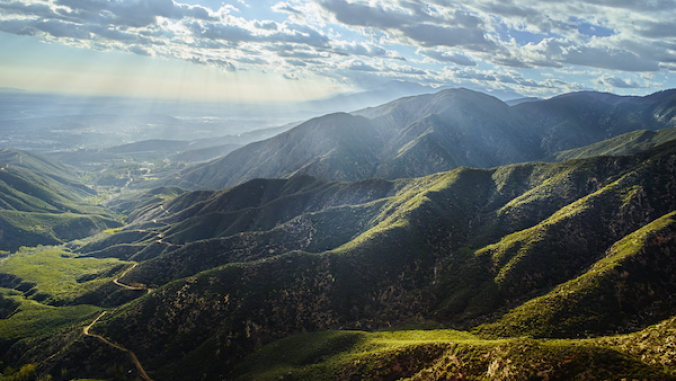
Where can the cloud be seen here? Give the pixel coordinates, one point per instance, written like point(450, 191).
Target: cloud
point(366, 41)
point(447, 56)
point(473, 74)
point(608, 59)
point(423, 28)
point(298, 54)
point(231, 33)
point(435, 35)
point(267, 25)
point(365, 15)
point(222, 64)
point(137, 13)
point(408, 70)
point(139, 50)
point(287, 8)
point(365, 49)
point(361, 66)
point(296, 63)
point(250, 60)
point(612, 81)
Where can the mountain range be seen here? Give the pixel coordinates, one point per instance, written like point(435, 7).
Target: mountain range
point(426, 134)
point(424, 239)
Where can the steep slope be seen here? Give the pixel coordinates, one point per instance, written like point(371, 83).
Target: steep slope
point(635, 277)
point(236, 269)
point(204, 154)
point(41, 202)
point(451, 129)
point(579, 119)
point(336, 146)
point(450, 355)
point(409, 137)
point(531, 261)
point(624, 144)
point(426, 134)
point(554, 250)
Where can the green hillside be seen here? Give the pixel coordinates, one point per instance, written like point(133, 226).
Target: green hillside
point(42, 202)
point(625, 144)
point(441, 355)
point(564, 250)
point(534, 270)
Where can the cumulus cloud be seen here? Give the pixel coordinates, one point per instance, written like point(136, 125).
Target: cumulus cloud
point(223, 64)
point(366, 41)
point(608, 59)
point(612, 81)
point(267, 25)
point(296, 63)
point(365, 49)
point(435, 35)
point(286, 8)
point(447, 56)
point(457, 28)
point(361, 66)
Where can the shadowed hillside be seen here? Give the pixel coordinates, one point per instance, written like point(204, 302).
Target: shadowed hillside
point(529, 249)
point(426, 134)
point(42, 202)
point(432, 270)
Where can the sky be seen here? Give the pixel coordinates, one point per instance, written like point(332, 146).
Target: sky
point(296, 50)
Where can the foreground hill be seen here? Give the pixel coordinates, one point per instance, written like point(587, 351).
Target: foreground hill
point(562, 250)
point(426, 134)
point(42, 202)
point(625, 144)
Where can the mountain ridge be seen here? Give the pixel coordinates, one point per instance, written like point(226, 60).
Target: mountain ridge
point(420, 135)
point(472, 248)
point(460, 273)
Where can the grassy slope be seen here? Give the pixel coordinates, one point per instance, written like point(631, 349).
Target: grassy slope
point(443, 355)
point(42, 319)
point(529, 262)
point(369, 281)
point(57, 275)
point(636, 275)
point(450, 247)
point(41, 202)
point(625, 144)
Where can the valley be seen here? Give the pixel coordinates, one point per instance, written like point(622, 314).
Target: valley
point(444, 236)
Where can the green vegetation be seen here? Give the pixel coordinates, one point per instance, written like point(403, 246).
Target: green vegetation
point(35, 319)
point(439, 355)
point(25, 373)
point(535, 265)
point(58, 275)
point(625, 144)
point(323, 355)
point(41, 202)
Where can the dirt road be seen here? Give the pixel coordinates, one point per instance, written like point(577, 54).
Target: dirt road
point(86, 331)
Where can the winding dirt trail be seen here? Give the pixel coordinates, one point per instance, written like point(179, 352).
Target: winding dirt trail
point(87, 330)
point(126, 286)
point(134, 359)
point(117, 282)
